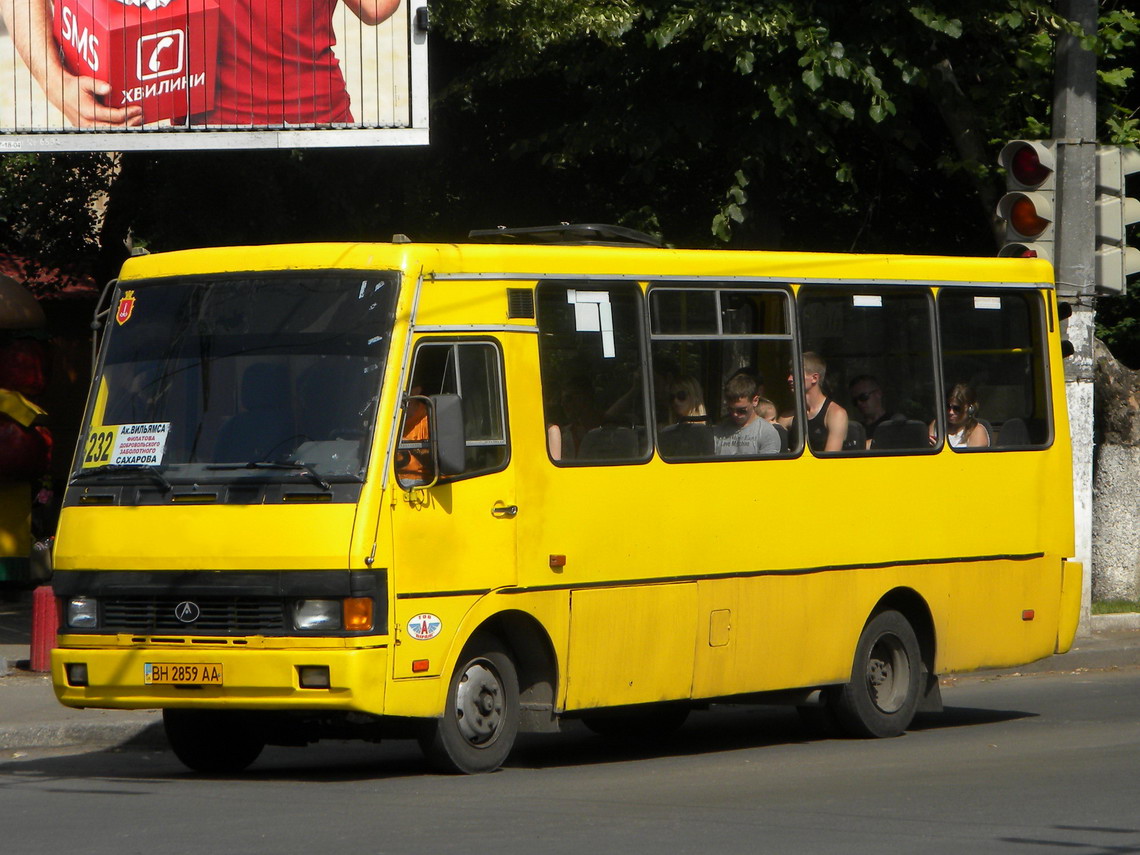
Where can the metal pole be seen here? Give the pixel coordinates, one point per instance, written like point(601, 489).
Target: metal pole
point(1074, 128)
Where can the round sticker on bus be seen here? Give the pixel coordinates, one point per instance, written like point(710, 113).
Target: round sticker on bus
point(424, 627)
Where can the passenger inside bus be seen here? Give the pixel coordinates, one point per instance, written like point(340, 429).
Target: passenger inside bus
point(827, 422)
point(687, 433)
point(965, 429)
point(743, 432)
point(768, 412)
point(867, 396)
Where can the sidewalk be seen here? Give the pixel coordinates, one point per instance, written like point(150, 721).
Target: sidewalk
point(31, 717)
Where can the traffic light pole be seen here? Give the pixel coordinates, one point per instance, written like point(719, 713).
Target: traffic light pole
point(1074, 129)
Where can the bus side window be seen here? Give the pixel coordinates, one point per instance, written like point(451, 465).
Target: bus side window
point(472, 370)
point(712, 342)
point(877, 344)
point(993, 342)
point(593, 380)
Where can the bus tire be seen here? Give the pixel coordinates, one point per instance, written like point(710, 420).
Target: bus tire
point(217, 741)
point(883, 694)
point(481, 717)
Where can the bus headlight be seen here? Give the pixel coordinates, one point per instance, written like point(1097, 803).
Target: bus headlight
point(82, 613)
point(316, 614)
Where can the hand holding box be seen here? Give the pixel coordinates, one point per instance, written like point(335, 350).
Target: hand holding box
point(157, 54)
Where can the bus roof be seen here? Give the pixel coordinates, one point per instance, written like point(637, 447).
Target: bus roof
point(523, 261)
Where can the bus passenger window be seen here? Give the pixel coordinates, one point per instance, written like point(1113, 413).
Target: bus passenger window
point(876, 348)
point(593, 381)
point(724, 340)
point(473, 371)
point(993, 362)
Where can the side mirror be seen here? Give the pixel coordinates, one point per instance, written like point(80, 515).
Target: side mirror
point(448, 437)
point(433, 445)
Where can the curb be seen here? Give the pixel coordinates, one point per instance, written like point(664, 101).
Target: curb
point(1125, 622)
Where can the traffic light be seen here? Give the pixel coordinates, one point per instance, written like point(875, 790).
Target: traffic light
point(1028, 204)
point(1115, 259)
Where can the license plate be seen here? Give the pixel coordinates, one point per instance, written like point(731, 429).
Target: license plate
point(162, 673)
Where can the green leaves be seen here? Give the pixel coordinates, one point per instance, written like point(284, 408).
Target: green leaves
point(49, 214)
point(951, 27)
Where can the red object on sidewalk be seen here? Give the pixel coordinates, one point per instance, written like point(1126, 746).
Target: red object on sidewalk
point(45, 622)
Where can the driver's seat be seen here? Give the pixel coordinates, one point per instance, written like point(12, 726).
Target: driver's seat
point(266, 423)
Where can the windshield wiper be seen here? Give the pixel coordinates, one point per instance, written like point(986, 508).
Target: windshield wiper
point(151, 472)
point(301, 468)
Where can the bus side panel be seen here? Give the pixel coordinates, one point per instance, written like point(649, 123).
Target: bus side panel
point(995, 614)
point(534, 624)
point(631, 645)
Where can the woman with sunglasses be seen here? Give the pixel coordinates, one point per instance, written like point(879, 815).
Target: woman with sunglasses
point(963, 428)
point(687, 433)
point(686, 402)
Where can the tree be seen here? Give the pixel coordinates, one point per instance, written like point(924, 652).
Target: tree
point(802, 124)
point(50, 210)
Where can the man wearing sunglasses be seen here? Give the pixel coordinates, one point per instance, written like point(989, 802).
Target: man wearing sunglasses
point(743, 432)
point(867, 396)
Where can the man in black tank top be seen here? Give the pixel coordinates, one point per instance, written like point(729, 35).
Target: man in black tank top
point(826, 420)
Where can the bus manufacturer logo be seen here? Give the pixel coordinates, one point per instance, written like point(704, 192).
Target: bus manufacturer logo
point(187, 612)
point(424, 627)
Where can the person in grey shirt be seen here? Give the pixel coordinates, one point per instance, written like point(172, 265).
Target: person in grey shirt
point(743, 432)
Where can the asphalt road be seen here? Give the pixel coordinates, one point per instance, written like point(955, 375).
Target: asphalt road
point(1040, 763)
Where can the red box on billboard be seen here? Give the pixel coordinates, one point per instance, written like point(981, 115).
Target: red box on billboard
point(160, 58)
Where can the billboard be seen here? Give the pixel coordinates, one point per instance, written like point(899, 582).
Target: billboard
point(122, 75)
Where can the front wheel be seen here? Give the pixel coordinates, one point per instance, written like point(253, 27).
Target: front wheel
point(481, 717)
point(883, 694)
point(218, 741)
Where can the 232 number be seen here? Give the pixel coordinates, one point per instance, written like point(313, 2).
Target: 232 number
point(99, 445)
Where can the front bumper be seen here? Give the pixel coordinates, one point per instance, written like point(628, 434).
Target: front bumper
point(253, 679)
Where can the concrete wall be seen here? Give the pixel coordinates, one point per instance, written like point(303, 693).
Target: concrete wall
point(1116, 524)
point(1115, 570)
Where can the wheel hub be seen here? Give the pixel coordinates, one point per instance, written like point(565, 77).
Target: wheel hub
point(887, 669)
point(479, 704)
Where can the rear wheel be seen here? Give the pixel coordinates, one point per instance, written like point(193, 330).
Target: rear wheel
point(481, 718)
point(213, 740)
point(883, 694)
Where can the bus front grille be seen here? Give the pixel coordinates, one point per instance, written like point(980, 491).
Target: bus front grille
point(245, 616)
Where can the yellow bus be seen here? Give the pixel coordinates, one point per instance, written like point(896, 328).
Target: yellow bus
point(455, 492)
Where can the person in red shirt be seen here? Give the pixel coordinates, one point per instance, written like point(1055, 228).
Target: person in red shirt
point(276, 63)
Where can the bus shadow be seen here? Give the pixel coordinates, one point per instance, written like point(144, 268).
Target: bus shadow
point(965, 717)
point(721, 729)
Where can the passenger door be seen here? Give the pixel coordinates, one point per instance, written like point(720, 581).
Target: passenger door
point(453, 541)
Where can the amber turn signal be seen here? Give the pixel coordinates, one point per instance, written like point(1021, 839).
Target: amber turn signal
point(358, 613)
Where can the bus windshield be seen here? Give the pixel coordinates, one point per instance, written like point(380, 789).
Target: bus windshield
point(250, 377)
